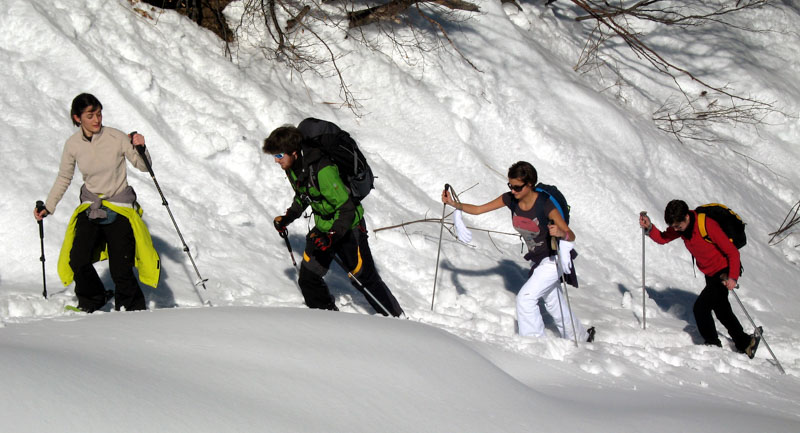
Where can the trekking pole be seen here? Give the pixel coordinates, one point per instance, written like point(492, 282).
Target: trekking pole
point(285, 236)
point(756, 328)
point(644, 292)
point(141, 149)
point(359, 285)
point(554, 245)
point(439, 249)
point(39, 208)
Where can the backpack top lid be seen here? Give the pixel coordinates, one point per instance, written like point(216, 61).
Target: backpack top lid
point(342, 151)
point(730, 222)
point(313, 128)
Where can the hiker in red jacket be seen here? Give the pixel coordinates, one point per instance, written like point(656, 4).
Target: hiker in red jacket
point(718, 260)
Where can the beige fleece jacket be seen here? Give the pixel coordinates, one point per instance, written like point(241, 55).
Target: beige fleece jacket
point(100, 161)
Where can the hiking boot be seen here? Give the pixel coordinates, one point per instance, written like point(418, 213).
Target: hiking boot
point(591, 331)
point(716, 343)
point(753, 346)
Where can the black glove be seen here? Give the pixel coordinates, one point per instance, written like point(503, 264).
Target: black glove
point(322, 241)
point(280, 227)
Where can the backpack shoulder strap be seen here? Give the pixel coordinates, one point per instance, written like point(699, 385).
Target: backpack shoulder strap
point(540, 205)
point(701, 225)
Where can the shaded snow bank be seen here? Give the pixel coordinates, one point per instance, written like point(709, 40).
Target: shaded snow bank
point(261, 369)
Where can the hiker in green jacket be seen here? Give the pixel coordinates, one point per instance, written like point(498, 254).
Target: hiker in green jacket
point(340, 229)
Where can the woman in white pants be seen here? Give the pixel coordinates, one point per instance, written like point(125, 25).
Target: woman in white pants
point(531, 211)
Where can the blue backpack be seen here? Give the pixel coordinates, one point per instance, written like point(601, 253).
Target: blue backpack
point(558, 199)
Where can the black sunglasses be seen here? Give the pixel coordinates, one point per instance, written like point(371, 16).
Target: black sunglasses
point(515, 188)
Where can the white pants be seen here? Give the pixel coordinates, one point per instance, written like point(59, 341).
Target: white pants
point(545, 283)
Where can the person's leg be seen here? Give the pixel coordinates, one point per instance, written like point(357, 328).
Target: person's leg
point(702, 314)
point(556, 304)
point(721, 306)
point(312, 284)
point(529, 318)
point(88, 287)
point(355, 253)
point(121, 256)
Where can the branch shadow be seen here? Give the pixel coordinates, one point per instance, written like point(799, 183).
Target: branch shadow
point(514, 277)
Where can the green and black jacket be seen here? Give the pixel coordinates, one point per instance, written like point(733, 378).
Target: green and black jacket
point(316, 182)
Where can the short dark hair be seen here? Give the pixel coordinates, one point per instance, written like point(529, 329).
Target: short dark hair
point(524, 171)
point(81, 103)
point(285, 139)
point(676, 212)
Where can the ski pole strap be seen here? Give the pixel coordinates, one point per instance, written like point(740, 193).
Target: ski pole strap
point(447, 186)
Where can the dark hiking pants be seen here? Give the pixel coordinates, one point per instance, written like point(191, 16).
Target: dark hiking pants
point(714, 297)
point(353, 250)
point(118, 235)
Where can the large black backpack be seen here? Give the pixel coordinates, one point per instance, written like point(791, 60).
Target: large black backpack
point(343, 151)
point(730, 222)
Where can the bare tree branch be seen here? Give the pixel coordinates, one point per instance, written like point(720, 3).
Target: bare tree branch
point(390, 10)
point(439, 221)
point(792, 219)
point(684, 120)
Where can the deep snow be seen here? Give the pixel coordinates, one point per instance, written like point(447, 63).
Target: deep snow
point(258, 360)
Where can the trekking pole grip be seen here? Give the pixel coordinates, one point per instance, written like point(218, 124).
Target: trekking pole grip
point(140, 150)
point(39, 208)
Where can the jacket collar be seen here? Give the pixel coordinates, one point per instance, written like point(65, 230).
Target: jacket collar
point(94, 137)
point(689, 232)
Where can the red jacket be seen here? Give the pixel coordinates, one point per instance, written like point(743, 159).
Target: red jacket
point(711, 257)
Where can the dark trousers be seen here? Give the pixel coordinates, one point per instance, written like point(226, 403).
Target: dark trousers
point(353, 250)
point(714, 297)
point(89, 236)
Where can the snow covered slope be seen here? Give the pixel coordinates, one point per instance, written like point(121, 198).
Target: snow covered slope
point(204, 119)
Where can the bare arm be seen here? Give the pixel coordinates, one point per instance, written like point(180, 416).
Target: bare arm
point(656, 235)
point(560, 229)
point(471, 208)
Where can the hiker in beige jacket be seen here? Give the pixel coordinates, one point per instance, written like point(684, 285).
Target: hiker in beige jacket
point(100, 153)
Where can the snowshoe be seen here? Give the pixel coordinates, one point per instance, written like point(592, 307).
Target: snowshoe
point(754, 340)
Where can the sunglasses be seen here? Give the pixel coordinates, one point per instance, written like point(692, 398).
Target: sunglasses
point(278, 155)
point(515, 188)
